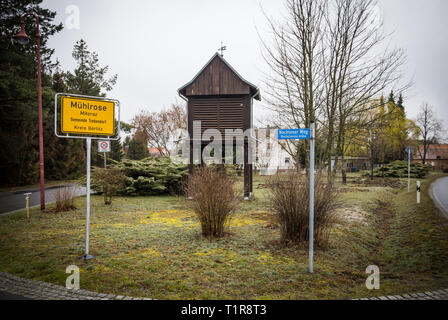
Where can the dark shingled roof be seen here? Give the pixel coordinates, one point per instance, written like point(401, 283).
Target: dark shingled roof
point(253, 89)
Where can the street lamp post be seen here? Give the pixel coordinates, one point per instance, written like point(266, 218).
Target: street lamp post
point(23, 39)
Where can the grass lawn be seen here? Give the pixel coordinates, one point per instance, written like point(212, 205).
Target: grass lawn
point(151, 246)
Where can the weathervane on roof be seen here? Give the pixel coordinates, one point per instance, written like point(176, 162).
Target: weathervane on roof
point(222, 49)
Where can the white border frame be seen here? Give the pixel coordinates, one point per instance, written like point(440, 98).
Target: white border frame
point(67, 135)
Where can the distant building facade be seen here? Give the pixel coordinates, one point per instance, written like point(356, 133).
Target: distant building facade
point(270, 156)
point(436, 156)
point(352, 164)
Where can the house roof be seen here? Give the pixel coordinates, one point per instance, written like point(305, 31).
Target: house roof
point(253, 89)
point(435, 152)
point(153, 150)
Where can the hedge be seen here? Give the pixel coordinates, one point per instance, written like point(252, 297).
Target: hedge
point(150, 176)
point(399, 169)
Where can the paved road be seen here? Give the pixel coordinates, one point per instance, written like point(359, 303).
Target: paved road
point(439, 193)
point(12, 201)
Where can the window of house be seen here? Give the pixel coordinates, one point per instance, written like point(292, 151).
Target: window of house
point(287, 161)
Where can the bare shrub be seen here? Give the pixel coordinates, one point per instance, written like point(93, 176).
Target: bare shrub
point(65, 199)
point(289, 195)
point(213, 199)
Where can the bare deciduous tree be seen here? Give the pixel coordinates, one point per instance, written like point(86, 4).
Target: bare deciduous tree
point(430, 128)
point(294, 81)
point(328, 63)
point(161, 128)
point(357, 74)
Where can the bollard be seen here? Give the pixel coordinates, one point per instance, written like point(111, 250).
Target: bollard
point(27, 198)
point(418, 192)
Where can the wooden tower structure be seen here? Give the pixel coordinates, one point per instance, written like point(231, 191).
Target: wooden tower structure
point(221, 99)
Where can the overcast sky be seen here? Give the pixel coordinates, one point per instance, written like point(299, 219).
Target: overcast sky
point(155, 47)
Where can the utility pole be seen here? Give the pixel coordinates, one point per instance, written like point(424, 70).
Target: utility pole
point(409, 150)
point(23, 39)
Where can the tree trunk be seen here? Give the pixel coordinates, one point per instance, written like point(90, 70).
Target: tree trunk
point(343, 170)
point(425, 148)
point(329, 148)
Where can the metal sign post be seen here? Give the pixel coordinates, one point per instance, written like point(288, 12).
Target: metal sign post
point(89, 149)
point(302, 134)
point(311, 227)
point(409, 170)
point(104, 146)
point(85, 117)
point(409, 149)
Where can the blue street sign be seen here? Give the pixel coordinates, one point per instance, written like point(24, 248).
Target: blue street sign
point(293, 134)
point(409, 149)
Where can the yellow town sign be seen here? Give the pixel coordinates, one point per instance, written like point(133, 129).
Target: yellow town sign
point(87, 116)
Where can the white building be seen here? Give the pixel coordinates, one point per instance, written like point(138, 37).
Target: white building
point(270, 156)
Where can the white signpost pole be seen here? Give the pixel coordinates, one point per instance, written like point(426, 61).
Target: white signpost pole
point(292, 134)
point(409, 170)
point(311, 223)
point(104, 160)
point(71, 110)
point(418, 192)
point(88, 146)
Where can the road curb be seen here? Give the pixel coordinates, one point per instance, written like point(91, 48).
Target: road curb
point(9, 193)
point(436, 200)
point(39, 290)
point(441, 294)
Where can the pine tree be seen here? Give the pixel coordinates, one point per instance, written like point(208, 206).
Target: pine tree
point(138, 147)
point(19, 146)
point(65, 158)
point(400, 102)
point(391, 97)
point(89, 78)
point(116, 152)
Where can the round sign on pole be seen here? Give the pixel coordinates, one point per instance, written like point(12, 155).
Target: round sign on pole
point(103, 146)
